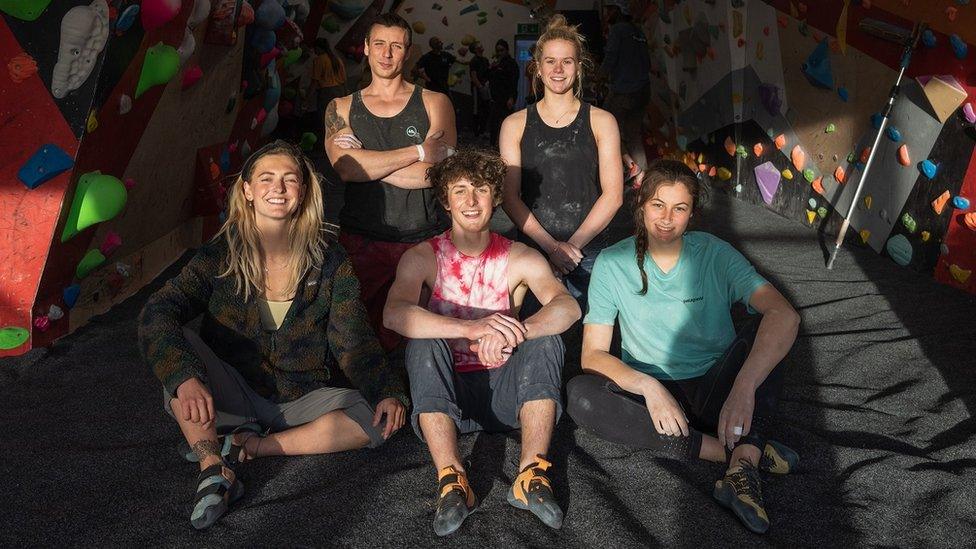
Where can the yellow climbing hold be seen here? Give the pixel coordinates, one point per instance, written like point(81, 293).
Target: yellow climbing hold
point(787, 174)
point(865, 235)
point(811, 216)
point(841, 30)
point(724, 174)
point(701, 158)
point(92, 123)
point(961, 275)
point(867, 202)
point(926, 236)
point(419, 27)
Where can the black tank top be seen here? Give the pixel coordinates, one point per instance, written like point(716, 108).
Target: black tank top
point(376, 209)
point(560, 174)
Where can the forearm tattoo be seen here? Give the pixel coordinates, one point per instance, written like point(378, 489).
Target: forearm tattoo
point(333, 122)
point(206, 448)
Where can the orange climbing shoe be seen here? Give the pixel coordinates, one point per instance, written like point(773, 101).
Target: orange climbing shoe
point(531, 490)
point(455, 501)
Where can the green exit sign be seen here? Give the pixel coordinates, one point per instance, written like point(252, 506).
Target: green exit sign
point(528, 28)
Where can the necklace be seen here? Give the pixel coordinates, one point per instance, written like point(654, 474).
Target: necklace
point(565, 112)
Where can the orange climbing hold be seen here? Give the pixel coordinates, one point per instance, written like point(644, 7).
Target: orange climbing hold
point(702, 168)
point(757, 149)
point(939, 204)
point(730, 146)
point(970, 220)
point(712, 172)
point(799, 157)
point(780, 141)
point(865, 154)
point(818, 186)
point(903, 157)
point(840, 175)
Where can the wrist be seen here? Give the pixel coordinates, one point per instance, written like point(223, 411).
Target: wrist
point(744, 385)
point(420, 153)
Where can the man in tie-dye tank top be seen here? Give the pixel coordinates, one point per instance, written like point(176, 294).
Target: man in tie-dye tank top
point(472, 365)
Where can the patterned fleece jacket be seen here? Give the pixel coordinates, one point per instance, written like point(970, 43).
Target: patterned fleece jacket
point(326, 328)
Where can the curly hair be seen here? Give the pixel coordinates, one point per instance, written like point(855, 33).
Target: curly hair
point(477, 166)
point(659, 173)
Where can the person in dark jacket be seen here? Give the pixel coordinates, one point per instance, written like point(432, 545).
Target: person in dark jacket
point(503, 77)
point(285, 362)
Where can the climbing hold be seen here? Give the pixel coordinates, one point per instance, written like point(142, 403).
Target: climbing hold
point(817, 185)
point(55, 313)
point(950, 12)
point(960, 203)
point(865, 235)
point(757, 149)
point(958, 46)
point(682, 142)
point(787, 174)
point(893, 134)
point(724, 174)
point(817, 67)
point(84, 32)
point(811, 216)
point(970, 220)
point(899, 250)
point(780, 141)
point(42, 323)
point(129, 183)
point(246, 14)
point(740, 151)
point(738, 188)
point(21, 67)
point(156, 13)
point(70, 295)
point(263, 40)
point(768, 179)
point(160, 65)
point(928, 168)
point(712, 172)
point(770, 99)
point(867, 202)
point(98, 197)
point(444, 21)
point(812, 203)
point(43, 165)
point(958, 273)
point(809, 175)
point(798, 157)
point(419, 27)
point(822, 212)
point(939, 204)
point(187, 46)
point(308, 141)
point(12, 337)
point(271, 15)
point(831, 128)
point(331, 25)
point(91, 261)
point(730, 146)
point(926, 236)
point(844, 94)
point(840, 175)
point(469, 9)
point(970, 115)
point(702, 168)
point(909, 222)
point(903, 157)
point(125, 104)
point(92, 123)
point(191, 75)
point(201, 10)
point(110, 244)
point(928, 38)
point(26, 10)
point(865, 154)
point(291, 57)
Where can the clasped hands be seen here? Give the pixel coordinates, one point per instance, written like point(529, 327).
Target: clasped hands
point(495, 337)
point(564, 257)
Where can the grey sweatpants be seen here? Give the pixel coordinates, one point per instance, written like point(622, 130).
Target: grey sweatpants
point(486, 400)
point(236, 403)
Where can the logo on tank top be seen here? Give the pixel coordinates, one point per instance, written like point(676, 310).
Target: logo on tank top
point(412, 132)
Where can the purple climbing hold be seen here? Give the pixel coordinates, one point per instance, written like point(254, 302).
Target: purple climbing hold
point(817, 67)
point(844, 94)
point(47, 162)
point(928, 168)
point(768, 178)
point(894, 134)
point(769, 97)
point(967, 110)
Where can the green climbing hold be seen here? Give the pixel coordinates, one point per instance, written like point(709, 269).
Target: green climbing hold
point(308, 141)
point(822, 211)
point(161, 64)
point(909, 222)
point(809, 175)
point(330, 25)
point(291, 57)
point(850, 158)
point(740, 151)
point(12, 337)
point(98, 198)
point(92, 260)
point(830, 128)
point(27, 10)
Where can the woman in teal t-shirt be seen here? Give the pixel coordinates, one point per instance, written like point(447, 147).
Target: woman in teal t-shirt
point(683, 372)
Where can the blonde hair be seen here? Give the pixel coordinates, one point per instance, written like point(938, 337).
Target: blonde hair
point(245, 261)
point(559, 29)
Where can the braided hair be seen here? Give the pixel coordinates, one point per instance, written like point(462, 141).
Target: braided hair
point(661, 172)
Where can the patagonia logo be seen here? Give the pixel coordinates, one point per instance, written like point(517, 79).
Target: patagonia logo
point(693, 299)
point(412, 131)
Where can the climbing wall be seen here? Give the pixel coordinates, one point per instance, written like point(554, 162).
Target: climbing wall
point(125, 122)
point(778, 101)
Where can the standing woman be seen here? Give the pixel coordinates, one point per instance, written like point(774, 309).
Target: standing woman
point(564, 183)
point(686, 385)
point(285, 362)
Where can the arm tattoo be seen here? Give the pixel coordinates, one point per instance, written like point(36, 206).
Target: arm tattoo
point(333, 122)
point(206, 448)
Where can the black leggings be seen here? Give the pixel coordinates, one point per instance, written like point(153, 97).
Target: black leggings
point(601, 407)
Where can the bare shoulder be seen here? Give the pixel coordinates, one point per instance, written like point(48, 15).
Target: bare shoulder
point(435, 100)
point(514, 124)
point(601, 119)
point(418, 261)
point(522, 256)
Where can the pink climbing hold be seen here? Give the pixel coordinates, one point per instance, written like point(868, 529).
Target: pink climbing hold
point(129, 183)
point(156, 13)
point(191, 75)
point(42, 323)
point(967, 110)
point(110, 244)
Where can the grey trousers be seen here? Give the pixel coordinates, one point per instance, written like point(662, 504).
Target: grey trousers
point(486, 400)
point(236, 403)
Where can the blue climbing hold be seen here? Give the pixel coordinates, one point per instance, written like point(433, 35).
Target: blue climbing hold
point(958, 46)
point(47, 162)
point(928, 168)
point(225, 160)
point(263, 40)
point(682, 142)
point(844, 94)
point(928, 38)
point(894, 134)
point(817, 67)
point(876, 119)
point(70, 295)
point(271, 97)
point(961, 203)
point(899, 250)
point(270, 15)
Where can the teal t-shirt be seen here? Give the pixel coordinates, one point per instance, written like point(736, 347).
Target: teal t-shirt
point(684, 323)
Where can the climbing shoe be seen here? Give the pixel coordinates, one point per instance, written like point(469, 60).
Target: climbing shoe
point(778, 459)
point(741, 491)
point(531, 490)
point(455, 501)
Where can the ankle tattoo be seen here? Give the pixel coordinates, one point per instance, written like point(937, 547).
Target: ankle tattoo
point(205, 449)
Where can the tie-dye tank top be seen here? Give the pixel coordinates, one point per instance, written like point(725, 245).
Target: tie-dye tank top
point(470, 288)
